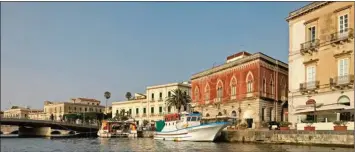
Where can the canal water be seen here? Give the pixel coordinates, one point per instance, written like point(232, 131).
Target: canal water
point(145, 145)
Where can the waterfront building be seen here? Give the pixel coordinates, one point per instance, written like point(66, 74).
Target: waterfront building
point(157, 96)
point(38, 115)
point(151, 106)
point(20, 112)
point(1, 114)
point(136, 107)
point(249, 87)
point(321, 62)
point(108, 109)
point(75, 105)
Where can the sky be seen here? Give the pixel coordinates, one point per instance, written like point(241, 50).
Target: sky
point(61, 50)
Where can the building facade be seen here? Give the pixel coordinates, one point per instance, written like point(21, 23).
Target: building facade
point(20, 112)
point(136, 107)
point(151, 106)
point(248, 86)
point(75, 105)
point(321, 62)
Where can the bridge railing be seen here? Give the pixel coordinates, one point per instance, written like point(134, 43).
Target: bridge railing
point(94, 123)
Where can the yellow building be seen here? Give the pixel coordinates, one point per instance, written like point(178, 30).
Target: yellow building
point(20, 112)
point(321, 64)
point(40, 115)
point(75, 105)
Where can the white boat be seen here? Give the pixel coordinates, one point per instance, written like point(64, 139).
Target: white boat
point(113, 128)
point(189, 127)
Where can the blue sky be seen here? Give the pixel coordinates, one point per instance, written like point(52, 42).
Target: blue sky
point(55, 51)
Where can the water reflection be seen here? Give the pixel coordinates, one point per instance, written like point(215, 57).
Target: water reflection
point(128, 145)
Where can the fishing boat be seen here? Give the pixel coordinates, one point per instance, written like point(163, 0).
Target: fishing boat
point(114, 129)
point(189, 127)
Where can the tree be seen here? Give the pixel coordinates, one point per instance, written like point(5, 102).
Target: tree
point(107, 95)
point(178, 99)
point(145, 122)
point(122, 115)
point(128, 95)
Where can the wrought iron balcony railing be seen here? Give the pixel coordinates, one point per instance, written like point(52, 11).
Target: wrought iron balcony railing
point(308, 47)
point(342, 35)
point(342, 80)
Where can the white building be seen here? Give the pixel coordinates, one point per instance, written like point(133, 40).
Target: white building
point(152, 106)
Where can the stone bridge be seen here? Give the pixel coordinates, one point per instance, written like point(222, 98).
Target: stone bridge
point(28, 127)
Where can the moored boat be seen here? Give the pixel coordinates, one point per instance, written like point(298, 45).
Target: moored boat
point(114, 128)
point(189, 127)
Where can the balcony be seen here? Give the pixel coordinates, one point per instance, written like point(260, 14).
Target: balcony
point(152, 100)
point(144, 115)
point(309, 86)
point(160, 99)
point(341, 36)
point(309, 47)
point(342, 81)
point(217, 100)
point(233, 97)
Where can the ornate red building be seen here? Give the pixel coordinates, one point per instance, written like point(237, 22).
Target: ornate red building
point(250, 87)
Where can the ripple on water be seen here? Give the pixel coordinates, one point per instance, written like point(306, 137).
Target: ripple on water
point(146, 145)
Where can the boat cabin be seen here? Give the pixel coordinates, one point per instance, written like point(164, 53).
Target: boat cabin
point(180, 121)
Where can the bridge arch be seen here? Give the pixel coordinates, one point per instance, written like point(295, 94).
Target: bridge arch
point(56, 132)
point(71, 132)
point(14, 132)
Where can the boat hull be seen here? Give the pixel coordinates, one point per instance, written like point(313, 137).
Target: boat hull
point(207, 132)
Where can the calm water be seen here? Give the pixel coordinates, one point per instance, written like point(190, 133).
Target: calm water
point(145, 144)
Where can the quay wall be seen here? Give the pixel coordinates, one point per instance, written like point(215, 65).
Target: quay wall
point(145, 134)
point(331, 138)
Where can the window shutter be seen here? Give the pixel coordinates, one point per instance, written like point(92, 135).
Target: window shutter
point(345, 67)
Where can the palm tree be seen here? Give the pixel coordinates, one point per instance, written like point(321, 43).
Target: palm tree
point(107, 96)
point(178, 99)
point(128, 95)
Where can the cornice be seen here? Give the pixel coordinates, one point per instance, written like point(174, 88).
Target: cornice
point(240, 63)
point(306, 9)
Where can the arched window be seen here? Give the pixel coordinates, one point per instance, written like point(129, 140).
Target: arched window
point(169, 94)
point(234, 114)
point(197, 94)
point(207, 115)
point(219, 89)
point(344, 100)
point(207, 92)
point(233, 86)
point(249, 81)
point(219, 113)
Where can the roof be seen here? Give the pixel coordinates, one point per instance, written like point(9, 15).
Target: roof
point(88, 99)
point(306, 9)
point(246, 59)
point(183, 84)
point(238, 54)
